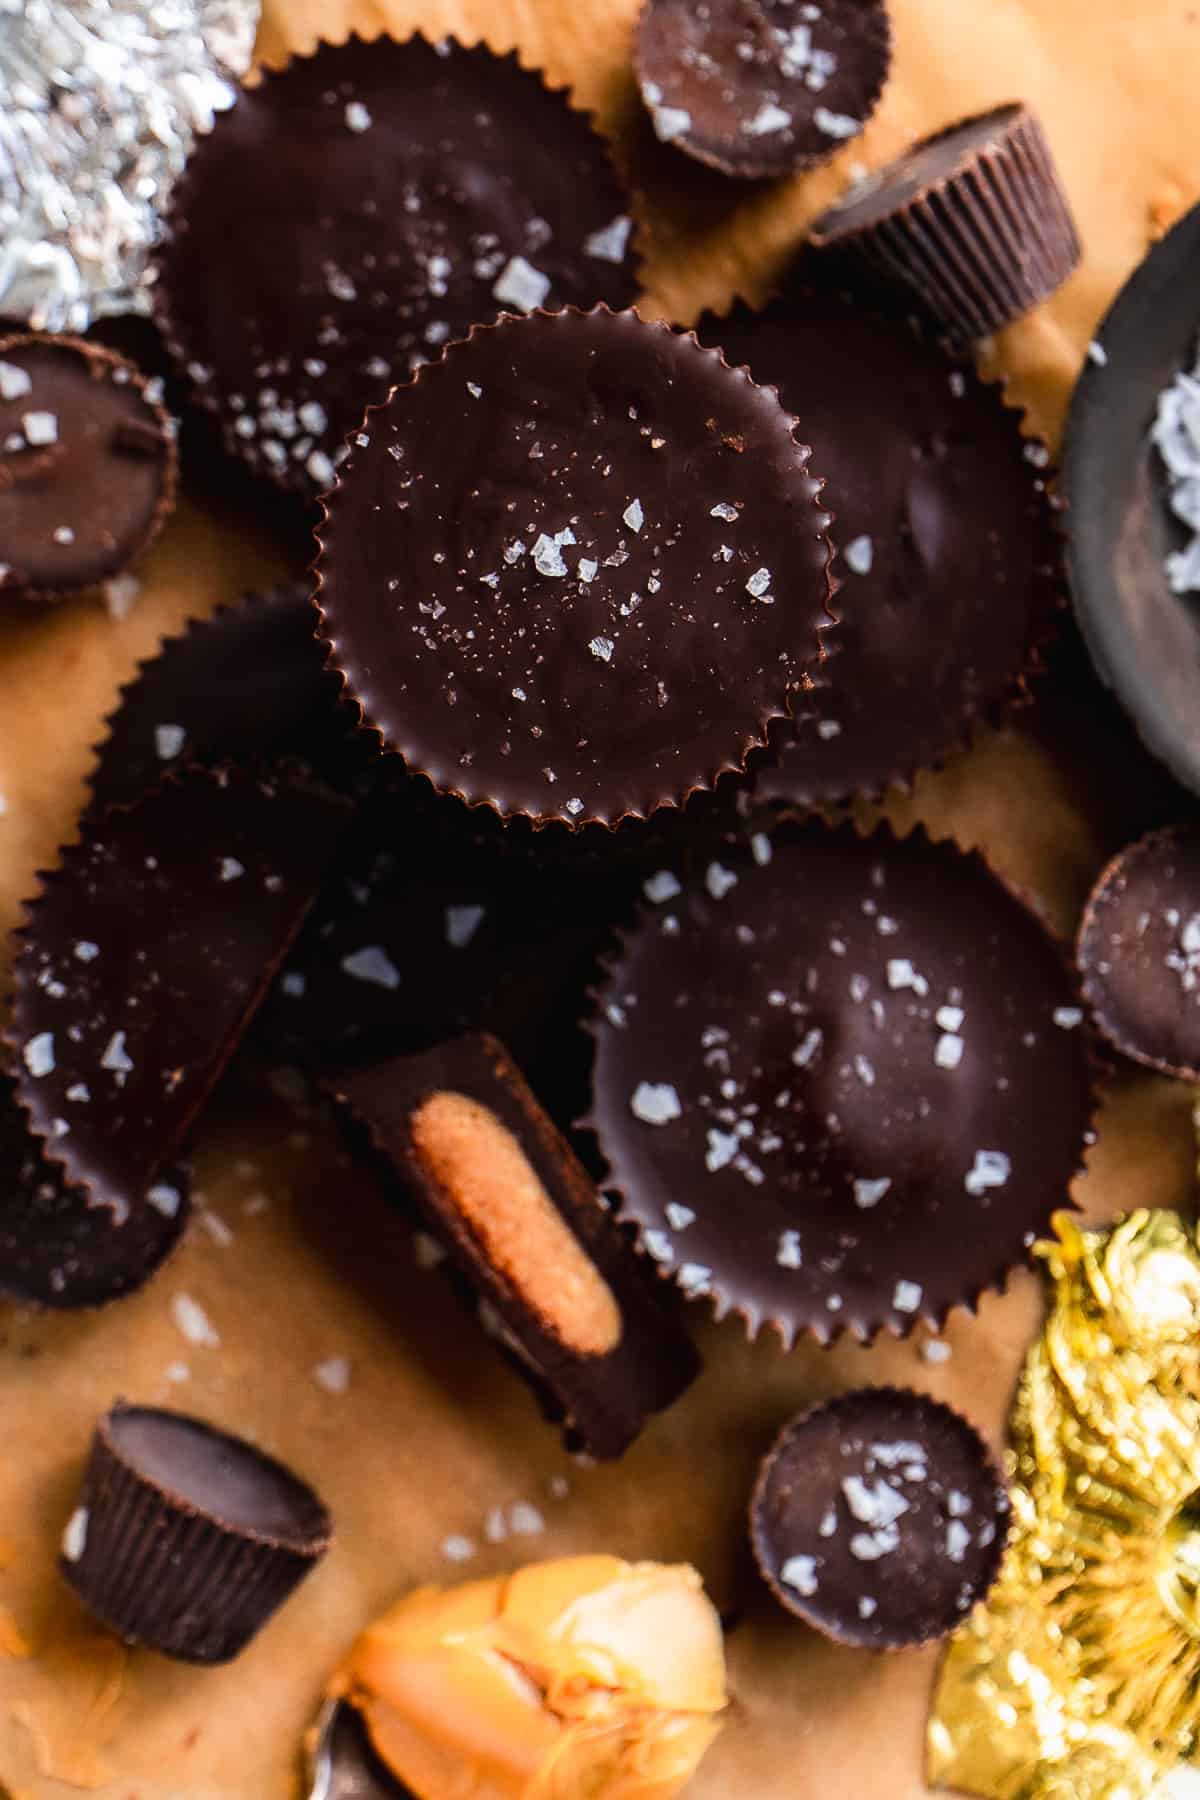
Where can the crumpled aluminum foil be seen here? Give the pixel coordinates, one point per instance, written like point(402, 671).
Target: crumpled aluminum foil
point(99, 104)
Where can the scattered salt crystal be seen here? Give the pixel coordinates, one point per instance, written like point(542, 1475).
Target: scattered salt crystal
point(168, 741)
point(165, 1199)
point(320, 468)
point(761, 848)
point(694, 1278)
point(456, 1548)
point(655, 1103)
point(759, 583)
point(958, 383)
point(610, 243)
point(789, 1254)
point(991, 1169)
point(679, 1217)
point(475, 391)
point(957, 1540)
point(660, 887)
point(231, 868)
point(1068, 1017)
point(293, 984)
point(719, 880)
point(827, 729)
point(907, 1296)
point(216, 1228)
point(950, 1018)
point(525, 1520)
point(768, 119)
point(15, 382)
point(462, 922)
point(116, 1058)
point(800, 1572)
point(658, 1245)
point(869, 1192)
point(63, 534)
point(935, 1351)
point(865, 1070)
point(38, 1055)
point(901, 974)
point(79, 1093)
point(1097, 353)
point(587, 569)
point(828, 1524)
point(876, 1505)
point(574, 806)
point(602, 648)
point(372, 963)
point(807, 1049)
point(495, 1526)
point(333, 1375)
point(869, 1546)
point(521, 285)
point(548, 557)
point(858, 555)
point(958, 1504)
point(836, 125)
point(357, 117)
point(948, 1052)
point(74, 1538)
point(427, 1252)
point(178, 1371)
point(40, 428)
point(193, 1321)
point(633, 515)
point(723, 1146)
point(670, 122)
point(724, 510)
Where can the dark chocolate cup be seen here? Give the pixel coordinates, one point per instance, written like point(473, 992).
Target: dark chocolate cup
point(936, 1614)
point(1139, 969)
point(149, 1551)
point(100, 358)
point(973, 220)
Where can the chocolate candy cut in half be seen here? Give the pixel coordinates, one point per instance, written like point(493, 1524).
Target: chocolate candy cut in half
point(950, 550)
point(186, 1539)
point(62, 1251)
point(574, 570)
point(246, 685)
point(1138, 951)
point(760, 88)
point(87, 465)
point(973, 221)
point(879, 1518)
point(504, 1193)
point(357, 210)
point(145, 956)
point(1133, 563)
point(840, 1085)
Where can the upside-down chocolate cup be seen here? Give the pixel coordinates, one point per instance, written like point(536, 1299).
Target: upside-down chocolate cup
point(185, 1539)
point(974, 221)
point(88, 466)
point(879, 1518)
point(949, 543)
point(357, 210)
point(573, 570)
point(760, 88)
point(839, 1083)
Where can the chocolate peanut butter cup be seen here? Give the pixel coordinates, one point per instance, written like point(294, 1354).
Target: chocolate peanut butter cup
point(186, 1539)
point(575, 569)
point(949, 546)
point(248, 684)
point(840, 1083)
point(146, 954)
point(973, 221)
point(356, 211)
point(879, 1518)
point(87, 465)
point(505, 1194)
point(1139, 951)
point(58, 1248)
point(761, 87)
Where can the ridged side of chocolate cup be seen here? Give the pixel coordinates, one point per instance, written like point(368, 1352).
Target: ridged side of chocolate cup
point(101, 355)
point(749, 740)
point(1135, 1036)
point(790, 1598)
point(833, 1327)
point(290, 479)
point(775, 781)
point(165, 1575)
point(982, 244)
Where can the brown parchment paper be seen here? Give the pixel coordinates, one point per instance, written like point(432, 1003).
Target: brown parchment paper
point(432, 1432)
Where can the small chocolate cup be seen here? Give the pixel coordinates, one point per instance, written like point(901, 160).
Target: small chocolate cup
point(879, 1518)
point(974, 221)
point(1138, 951)
point(756, 89)
point(186, 1539)
point(88, 466)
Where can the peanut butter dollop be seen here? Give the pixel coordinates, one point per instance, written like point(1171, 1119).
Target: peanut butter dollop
point(587, 1678)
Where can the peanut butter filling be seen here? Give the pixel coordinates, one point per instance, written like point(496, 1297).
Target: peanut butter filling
point(584, 1676)
point(485, 1175)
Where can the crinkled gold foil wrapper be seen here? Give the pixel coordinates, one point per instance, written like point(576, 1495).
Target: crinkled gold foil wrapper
point(1079, 1679)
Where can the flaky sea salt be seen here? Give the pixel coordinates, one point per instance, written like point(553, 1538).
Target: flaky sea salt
point(357, 117)
point(633, 515)
point(906, 1296)
point(333, 1375)
point(767, 120)
point(193, 1322)
point(38, 1055)
point(948, 1052)
point(718, 880)
point(521, 285)
point(373, 964)
point(836, 125)
point(661, 886)
point(789, 1254)
point(991, 1169)
point(457, 1548)
point(800, 1573)
point(859, 555)
point(610, 243)
point(869, 1192)
point(165, 1198)
point(462, 922)
point(74, 1538)
point(168, 741)
point(655, 1103)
